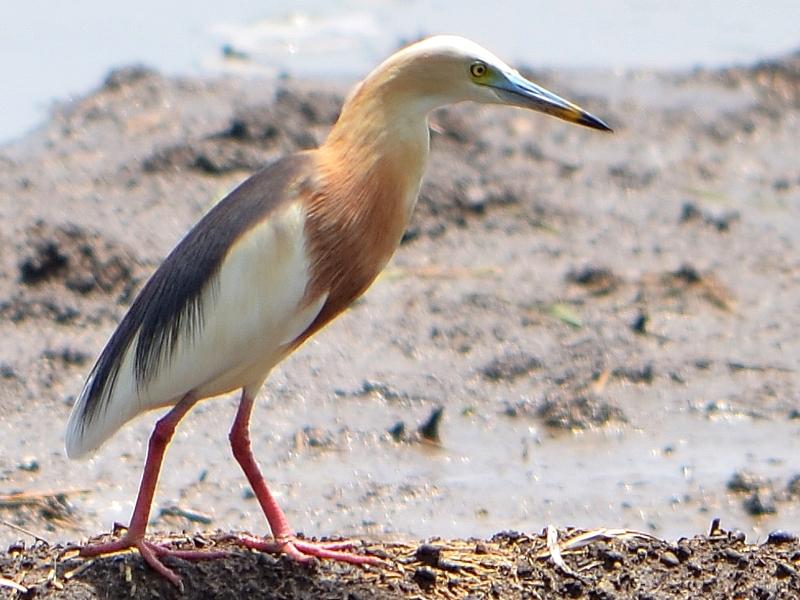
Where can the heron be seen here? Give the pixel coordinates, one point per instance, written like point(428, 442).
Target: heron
point(272, 263)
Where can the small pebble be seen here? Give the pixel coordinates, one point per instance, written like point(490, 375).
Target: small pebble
point(573, 589)
point(733, 555)
point(611, 556)
point(784, 569)
point(425, 577)
point(524, 569)
point(398, 431)
point(683, 551)
point(669, 559)
point(428, 554)
point(781, 536)
point(737, 535)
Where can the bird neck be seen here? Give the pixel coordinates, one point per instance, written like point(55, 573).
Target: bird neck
point(380, 142)
point(367, 180)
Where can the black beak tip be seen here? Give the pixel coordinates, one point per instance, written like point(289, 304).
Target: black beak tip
point(593, 122)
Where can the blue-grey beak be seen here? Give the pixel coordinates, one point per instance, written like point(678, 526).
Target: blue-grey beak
point(512, 88)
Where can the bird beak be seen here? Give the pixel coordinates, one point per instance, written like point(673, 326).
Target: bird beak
point(514, 89)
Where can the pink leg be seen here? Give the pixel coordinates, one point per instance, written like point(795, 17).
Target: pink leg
point(284, 539)
point(134, 536)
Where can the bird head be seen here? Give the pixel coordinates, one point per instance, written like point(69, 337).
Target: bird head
point(445, 69)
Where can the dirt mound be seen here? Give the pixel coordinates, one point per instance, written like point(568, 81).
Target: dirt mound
point(598, 564)
point(82, 261)
point(57, 265)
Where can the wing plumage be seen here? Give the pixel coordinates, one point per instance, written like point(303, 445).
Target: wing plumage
point(201, 324)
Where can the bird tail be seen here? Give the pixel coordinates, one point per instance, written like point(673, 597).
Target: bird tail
point(78, 443)
point(87, 428)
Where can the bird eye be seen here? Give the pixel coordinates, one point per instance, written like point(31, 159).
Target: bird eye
point(478, 69)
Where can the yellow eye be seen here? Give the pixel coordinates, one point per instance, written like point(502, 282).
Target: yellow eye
point(478, 69)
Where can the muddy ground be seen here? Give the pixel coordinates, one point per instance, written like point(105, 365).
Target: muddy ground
point(608, 323)
point(509, 565)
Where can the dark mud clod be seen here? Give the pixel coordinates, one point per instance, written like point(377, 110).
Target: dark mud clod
point(429, 430)
point(737, 535)
point(45, 263)
point(635, 374)
point(745, 481)
point(793, 486)
point(688, 274)
point(578, 412)
point(598, 280)
point(510, 366)
point(639, 324)
point(68, 356)
point(683, 550)
point(573, 589)
point(524, 569)
point(734, 555)
point(83, 261)
point(425, 577)
point(128, 75)
point(690, 212)
point(760, 503)
point(398, 431)
point(428, 554)
point(783, 569)
point(610, 556)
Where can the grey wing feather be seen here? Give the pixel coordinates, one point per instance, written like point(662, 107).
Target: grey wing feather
point(170, 304)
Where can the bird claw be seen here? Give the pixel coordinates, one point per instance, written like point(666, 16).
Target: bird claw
point(152, 554)
point(305, 552)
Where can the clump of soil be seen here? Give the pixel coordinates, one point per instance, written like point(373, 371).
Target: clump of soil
point(597, 280)
point(510, 366)
point(82, 261)
point(580, 411)
point(255, 135)
point(60, 265)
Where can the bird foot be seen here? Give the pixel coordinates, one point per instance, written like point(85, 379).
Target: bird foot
point(304, 552)
point(152, 553)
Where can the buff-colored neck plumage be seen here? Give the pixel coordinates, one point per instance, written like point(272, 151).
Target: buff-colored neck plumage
point(380, 141)
point(368, 175)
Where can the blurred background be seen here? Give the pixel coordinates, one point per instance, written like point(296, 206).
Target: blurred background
point(54, 50)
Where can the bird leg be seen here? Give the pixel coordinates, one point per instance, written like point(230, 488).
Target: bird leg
point(284, 539)
point(134, 535)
